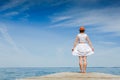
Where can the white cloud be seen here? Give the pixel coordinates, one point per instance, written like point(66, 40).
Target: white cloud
point(11, 13)
point(107, 19)
point(11, 4)
point(106, 43)
point(61, 18)
point(15, 7)
point(8, 39)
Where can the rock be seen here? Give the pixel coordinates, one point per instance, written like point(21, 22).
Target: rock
point(76, 76)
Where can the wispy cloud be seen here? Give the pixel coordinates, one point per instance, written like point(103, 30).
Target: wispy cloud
point(11, 4)
point(108, 19)
point(61, 18)
point(14, 8)
point(106, 43)
point(8, 38)
point(11, 13)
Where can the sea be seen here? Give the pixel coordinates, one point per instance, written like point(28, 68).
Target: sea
point(24, 72)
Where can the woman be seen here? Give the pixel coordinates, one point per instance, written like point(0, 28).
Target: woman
point(82, 49)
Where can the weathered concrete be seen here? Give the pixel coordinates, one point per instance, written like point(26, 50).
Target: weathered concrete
point(76, 76)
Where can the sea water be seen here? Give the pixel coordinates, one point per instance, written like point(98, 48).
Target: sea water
point(17, 73)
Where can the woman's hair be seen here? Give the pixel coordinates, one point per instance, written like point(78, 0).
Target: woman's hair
point(82, 29)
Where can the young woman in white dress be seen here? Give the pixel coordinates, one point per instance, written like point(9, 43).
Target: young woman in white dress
point(82, 48)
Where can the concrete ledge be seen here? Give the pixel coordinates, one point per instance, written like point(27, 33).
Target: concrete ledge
point(76, 76)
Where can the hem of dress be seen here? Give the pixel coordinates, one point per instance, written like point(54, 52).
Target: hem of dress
point(82, 55)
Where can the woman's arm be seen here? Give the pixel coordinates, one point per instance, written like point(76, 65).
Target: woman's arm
point(75, 43)
point(90, 43)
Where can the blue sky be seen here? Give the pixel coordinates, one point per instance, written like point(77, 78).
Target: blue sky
point(41, 33)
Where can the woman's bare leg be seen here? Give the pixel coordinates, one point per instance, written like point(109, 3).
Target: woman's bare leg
point(84, 63)
point(81, 63)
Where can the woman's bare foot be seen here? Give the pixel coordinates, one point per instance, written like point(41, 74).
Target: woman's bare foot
point(84, 71)
point(81, 71)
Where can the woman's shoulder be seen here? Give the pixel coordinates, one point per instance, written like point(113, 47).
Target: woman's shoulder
point(79, 34)
point(86, 34)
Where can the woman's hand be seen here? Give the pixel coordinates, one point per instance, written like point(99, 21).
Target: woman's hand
point(72, 49)
point(92, 49)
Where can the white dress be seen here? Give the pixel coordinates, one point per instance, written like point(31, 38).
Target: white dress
point(82, 49)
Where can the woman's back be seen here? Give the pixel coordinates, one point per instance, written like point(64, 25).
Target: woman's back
point(82, 37)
